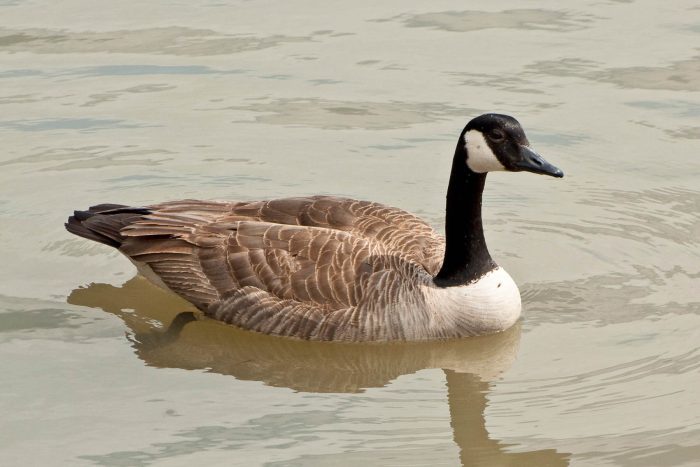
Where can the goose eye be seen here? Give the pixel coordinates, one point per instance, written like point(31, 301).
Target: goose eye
point(497, 135)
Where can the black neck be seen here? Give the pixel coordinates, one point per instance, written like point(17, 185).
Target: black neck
point(466, 255)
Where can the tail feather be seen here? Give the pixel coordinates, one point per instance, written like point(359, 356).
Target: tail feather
point(103, 223)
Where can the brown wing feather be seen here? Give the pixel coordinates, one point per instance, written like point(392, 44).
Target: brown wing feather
point(317, 267)
point(400, 231)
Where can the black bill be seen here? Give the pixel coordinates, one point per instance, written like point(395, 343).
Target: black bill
point(530, 161)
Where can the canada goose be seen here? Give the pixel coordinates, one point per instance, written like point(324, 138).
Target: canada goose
point(336, 269)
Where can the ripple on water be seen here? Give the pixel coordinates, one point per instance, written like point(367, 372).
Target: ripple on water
point(92, 157)
point(470, 20)
point(338, 114)
point(679, 75)
point(30, 318)
point(612, 298)
point(173, 40)
point(80, 124)
point(648, 216)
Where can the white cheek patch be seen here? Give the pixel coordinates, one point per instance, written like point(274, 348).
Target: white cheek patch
point(480, 157)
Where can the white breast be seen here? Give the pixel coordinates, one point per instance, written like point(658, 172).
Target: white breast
point(490, 304)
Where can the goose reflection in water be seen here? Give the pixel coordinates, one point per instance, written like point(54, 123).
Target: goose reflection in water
point(165, 339)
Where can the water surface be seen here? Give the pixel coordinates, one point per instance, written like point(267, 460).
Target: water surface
point(137, 103)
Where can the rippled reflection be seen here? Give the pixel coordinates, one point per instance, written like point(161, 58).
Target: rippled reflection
point(167, 339)
point(164, 338)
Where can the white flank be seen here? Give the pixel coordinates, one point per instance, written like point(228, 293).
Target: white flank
point(480, 157)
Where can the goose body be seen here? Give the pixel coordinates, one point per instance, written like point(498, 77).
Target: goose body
point(330, 268)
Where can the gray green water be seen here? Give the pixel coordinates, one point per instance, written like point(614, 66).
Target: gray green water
point(138, 102)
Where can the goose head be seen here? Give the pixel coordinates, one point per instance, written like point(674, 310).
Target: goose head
point(494, 142)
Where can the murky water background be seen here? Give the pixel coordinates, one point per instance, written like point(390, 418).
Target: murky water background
point(135, 102)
